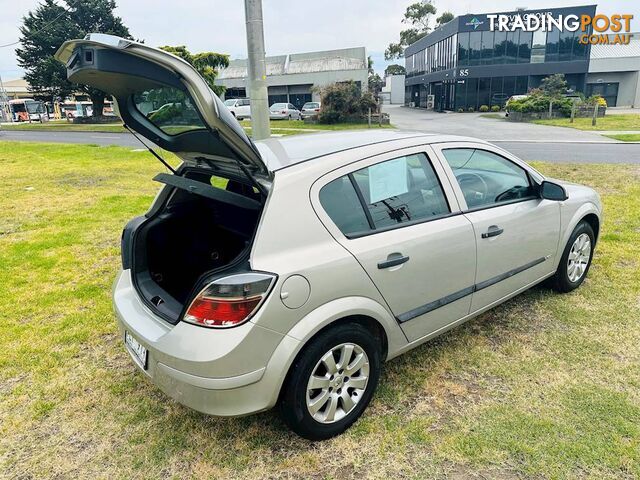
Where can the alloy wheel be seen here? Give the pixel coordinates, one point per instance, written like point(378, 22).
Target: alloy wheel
point(337, 383)
point(579, 257)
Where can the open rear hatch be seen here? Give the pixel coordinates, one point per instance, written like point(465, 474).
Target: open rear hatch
point(203, 221)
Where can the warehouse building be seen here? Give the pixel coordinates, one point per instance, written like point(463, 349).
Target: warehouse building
point(614, 73)
point(464, 64)
point(292, 78)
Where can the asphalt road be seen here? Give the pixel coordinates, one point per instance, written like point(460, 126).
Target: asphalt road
point(551, 144)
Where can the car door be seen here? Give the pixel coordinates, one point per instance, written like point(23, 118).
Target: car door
point(516, 231)
point(403, 225)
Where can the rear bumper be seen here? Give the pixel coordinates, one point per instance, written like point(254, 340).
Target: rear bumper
point(228, 372)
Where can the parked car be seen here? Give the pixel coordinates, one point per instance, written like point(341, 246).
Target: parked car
point(323, 255)
point(511, 99)
point(310, 109)
point(284, 111)
point(239, 107)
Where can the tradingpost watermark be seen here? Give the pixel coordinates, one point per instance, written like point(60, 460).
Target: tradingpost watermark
point(618, 24)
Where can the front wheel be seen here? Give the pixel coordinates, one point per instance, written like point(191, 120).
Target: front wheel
point(576, 259)
point(331, 382)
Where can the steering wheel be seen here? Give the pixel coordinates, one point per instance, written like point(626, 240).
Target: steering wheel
point(512, 193)
point(473, 179)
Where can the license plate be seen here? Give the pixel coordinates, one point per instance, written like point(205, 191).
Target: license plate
point(138, 350)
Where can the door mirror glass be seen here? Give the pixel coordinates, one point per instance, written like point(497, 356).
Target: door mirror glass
point(552, 191)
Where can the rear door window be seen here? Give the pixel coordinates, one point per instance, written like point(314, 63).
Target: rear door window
point(169, 109)
point(388, 194)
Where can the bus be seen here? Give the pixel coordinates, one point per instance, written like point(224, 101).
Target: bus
point(28, 110)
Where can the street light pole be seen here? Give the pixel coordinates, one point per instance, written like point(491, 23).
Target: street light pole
point(257, 70)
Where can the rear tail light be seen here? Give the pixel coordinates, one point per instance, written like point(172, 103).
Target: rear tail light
point(317, 110)
point(230, 301)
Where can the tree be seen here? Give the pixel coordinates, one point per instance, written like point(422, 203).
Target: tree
point(554, 85)
point(343, 102)
point(206, 63)
point(446, 17)
point(394, 69)
point(46, 28)
point(418, 16)
point(375, 84)
point(43, 31)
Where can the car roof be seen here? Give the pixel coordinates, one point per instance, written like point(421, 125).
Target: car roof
point(282, 152)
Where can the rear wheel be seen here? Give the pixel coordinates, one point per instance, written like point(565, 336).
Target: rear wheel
point(331, 382)
point(576, 259)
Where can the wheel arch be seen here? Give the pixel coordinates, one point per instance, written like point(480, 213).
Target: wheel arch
point(363, 311)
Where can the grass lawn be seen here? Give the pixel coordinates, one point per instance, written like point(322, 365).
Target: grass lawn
point(545, 386)
point(608, 122)
point(282, 127)
point(64, 126)
point(626, 137)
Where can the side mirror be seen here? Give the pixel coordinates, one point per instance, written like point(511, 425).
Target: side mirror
point(553, 191)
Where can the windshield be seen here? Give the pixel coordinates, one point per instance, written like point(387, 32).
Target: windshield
point(35, 107)
point(230, 103)
point(169, 109)
point(18, 107)
point(311, 105)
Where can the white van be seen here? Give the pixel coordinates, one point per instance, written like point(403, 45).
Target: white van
point(239, 107)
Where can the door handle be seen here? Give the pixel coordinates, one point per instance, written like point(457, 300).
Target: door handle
point(392, 260)
point(492, 231)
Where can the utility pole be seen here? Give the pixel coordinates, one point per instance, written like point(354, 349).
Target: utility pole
point(257, 70)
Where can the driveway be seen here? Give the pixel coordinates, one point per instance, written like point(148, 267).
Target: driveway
point(526, 140)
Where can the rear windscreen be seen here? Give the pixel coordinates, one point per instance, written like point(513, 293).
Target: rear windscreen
point(169, 109)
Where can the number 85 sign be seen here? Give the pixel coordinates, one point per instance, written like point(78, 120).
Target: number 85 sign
point(463, 72)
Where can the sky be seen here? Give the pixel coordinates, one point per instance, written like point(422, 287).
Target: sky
point(291, 26)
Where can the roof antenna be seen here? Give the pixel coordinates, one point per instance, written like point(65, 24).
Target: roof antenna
point(162, 160)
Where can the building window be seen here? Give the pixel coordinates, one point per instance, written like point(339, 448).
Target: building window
point(511, 47)
point(463, 49)
point(522, 85)
point(565, 46)
point(475, 48)
point(524, 47)
point(553, 39)
point(500, 44)
point(484, 91)
point(580, 50)
point(538, 46)
point(487, 47)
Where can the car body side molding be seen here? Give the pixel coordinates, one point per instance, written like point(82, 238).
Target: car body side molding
point(441, 302)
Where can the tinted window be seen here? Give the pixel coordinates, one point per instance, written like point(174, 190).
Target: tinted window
point(401, 190)
point(169, 109)
point(486, 178)
point(340, 201)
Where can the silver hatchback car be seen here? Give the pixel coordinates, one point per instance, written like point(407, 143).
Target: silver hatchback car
point(287, 271)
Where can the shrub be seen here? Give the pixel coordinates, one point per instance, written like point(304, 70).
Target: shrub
point(596, 99)
point(483, 108)
point(461, 110)
point(471, 109)
point(495, 108)
point(344, 102)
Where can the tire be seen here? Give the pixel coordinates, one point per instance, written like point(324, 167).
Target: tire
point(570, 275)
point(337, 388)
